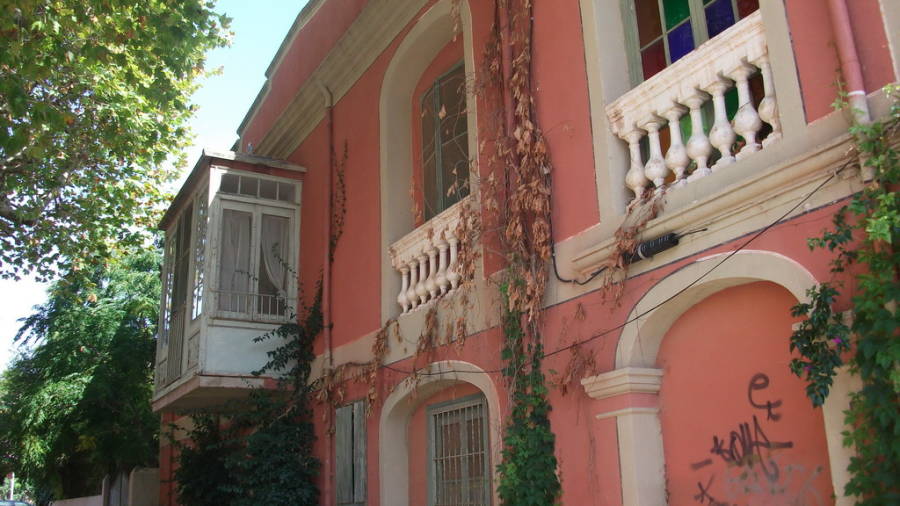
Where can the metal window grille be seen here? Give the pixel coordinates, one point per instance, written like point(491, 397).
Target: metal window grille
point(458, 458)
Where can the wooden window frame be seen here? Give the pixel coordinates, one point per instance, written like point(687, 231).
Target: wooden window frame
point(632, 37)
point(433, 91)
point(457, 405)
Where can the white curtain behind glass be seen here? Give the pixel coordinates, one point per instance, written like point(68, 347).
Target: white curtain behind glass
point(275, 254)
point(234, 264)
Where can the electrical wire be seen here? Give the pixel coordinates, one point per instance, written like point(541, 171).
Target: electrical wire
point(661, 303)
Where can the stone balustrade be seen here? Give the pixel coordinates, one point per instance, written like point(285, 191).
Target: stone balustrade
point(427, 259)
point(706, 74)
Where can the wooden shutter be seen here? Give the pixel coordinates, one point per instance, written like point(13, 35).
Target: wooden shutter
point(350, 454)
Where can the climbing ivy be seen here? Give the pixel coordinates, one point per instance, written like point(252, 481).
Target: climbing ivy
point(528, 468)
point(865, 235)
point(261, 447)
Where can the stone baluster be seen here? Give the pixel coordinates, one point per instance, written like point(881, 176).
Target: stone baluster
point(442, 281)
point(635, 178)
point(431, 281)
point(698, 146)
point(413, 282)
point(721, 135)
point(746, 120)
point(402, 299)
point(768, 108)
point(676, 157)
point(452, 269)
point(655, 170)
point(421, 291)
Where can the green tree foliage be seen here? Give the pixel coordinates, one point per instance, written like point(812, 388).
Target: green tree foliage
point(866, 232)
point(93, 100)
point(77, 405)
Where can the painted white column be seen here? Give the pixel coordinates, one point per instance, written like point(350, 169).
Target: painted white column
point(836, 403)
point(641, 457)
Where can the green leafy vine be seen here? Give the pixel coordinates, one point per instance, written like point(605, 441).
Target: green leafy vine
point(865, 233)
point(260, 447)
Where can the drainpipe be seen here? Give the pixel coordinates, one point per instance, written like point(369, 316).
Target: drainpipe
point(506, 62)
point(851, 69)
point(326, 276)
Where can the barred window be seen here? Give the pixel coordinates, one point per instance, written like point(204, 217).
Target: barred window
point(459, 467)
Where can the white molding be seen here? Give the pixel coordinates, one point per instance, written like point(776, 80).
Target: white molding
point(254, 159)
point(627, 412)
point(366, 39)
point(623, 381)
point(641, 457)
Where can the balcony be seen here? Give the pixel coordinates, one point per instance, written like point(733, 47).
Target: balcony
point(229, 276)
point(427, 259)
point(678, 125)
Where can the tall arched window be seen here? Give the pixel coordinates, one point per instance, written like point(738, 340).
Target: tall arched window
point(445, 142)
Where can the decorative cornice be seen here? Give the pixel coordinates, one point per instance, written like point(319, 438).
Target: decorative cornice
point(627, 380)
point(375, 28)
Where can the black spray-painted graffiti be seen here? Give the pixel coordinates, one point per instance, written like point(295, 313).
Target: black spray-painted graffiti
point(746, 446)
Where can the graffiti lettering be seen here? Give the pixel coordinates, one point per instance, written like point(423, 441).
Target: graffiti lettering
point(761, 382)
point(704, 497)
point(745, 447)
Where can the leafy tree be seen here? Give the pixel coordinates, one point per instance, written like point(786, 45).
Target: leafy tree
point(94, 97)
point(77, 406)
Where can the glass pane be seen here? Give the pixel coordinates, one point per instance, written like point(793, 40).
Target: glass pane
point(234, 264)
point(648, 25)
point(268, 189)
point(453, 104)
point(653, 59)
point(681, 42)
point(428, 122)
point(676, 12)
point(455, 176)
point(719, 16)
point(430, 202)
point(274, 264)
point(747, 7)
point(249, 186)
point(286, 192)
point(731, 103)
point(229, 183)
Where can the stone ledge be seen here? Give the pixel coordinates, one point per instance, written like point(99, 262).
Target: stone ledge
point(623, 381)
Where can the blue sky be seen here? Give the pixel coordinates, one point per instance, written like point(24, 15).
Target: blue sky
point(259, 27)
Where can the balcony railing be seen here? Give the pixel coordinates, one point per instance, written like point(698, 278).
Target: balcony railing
point(427, 259)
point(253, 306)
point(705, 75)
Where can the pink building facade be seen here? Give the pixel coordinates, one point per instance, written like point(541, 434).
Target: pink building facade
point(677, 376)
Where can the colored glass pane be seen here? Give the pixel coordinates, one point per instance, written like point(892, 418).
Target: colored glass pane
point(676, 12)
point(681, 42)
point(719, 16)
point(653, 59)
point(747, 7)
point(649, 27)
point(731, 103)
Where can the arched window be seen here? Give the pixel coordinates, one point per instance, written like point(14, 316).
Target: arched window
point(445, 142)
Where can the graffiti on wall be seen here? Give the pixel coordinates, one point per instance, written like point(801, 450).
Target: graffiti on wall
point(756, 458)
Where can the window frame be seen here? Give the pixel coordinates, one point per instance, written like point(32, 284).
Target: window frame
point(257, 207)
point(458, 405)
point(433, 91)
point(699, 31)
